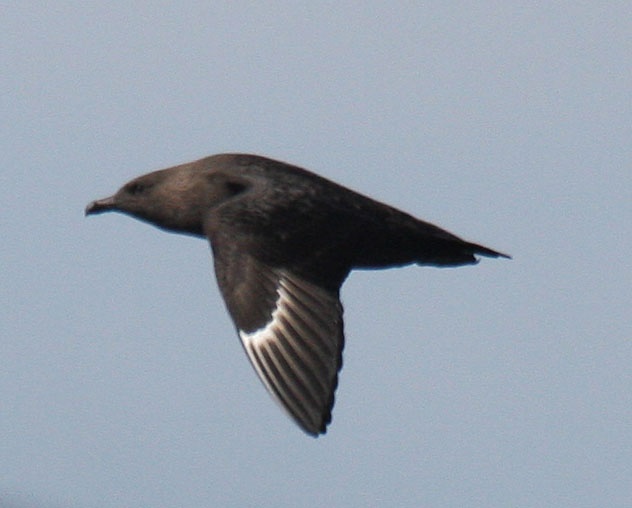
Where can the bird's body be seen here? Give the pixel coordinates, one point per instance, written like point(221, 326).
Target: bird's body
point(284, 240)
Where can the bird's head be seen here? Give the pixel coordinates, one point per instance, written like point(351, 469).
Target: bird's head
point(177, 199)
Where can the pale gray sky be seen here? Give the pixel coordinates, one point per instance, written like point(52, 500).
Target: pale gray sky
point(508, 384)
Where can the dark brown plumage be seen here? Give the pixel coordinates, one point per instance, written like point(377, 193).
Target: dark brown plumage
point(283, 241)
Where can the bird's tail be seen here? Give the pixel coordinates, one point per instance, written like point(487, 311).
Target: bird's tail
point(455, 252)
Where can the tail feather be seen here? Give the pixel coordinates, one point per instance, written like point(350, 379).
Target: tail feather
point(486, 251)
point(455, 252)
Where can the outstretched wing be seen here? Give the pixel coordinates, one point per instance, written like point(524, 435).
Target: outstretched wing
point(292, 331)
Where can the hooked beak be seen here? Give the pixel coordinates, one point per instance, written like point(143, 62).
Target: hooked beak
point(101, 205)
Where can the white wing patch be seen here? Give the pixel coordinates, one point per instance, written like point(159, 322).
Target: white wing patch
point(297, 354)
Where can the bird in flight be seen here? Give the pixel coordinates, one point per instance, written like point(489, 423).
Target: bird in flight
point(284, 240)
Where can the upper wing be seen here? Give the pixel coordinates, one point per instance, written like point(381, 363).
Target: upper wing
point(292, 331)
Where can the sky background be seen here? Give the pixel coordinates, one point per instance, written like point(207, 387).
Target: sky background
point(507, 384)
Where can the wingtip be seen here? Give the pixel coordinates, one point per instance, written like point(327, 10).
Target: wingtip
point(316, 434)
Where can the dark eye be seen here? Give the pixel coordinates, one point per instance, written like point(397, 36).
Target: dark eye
point(135, 188)
point(235, 188)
